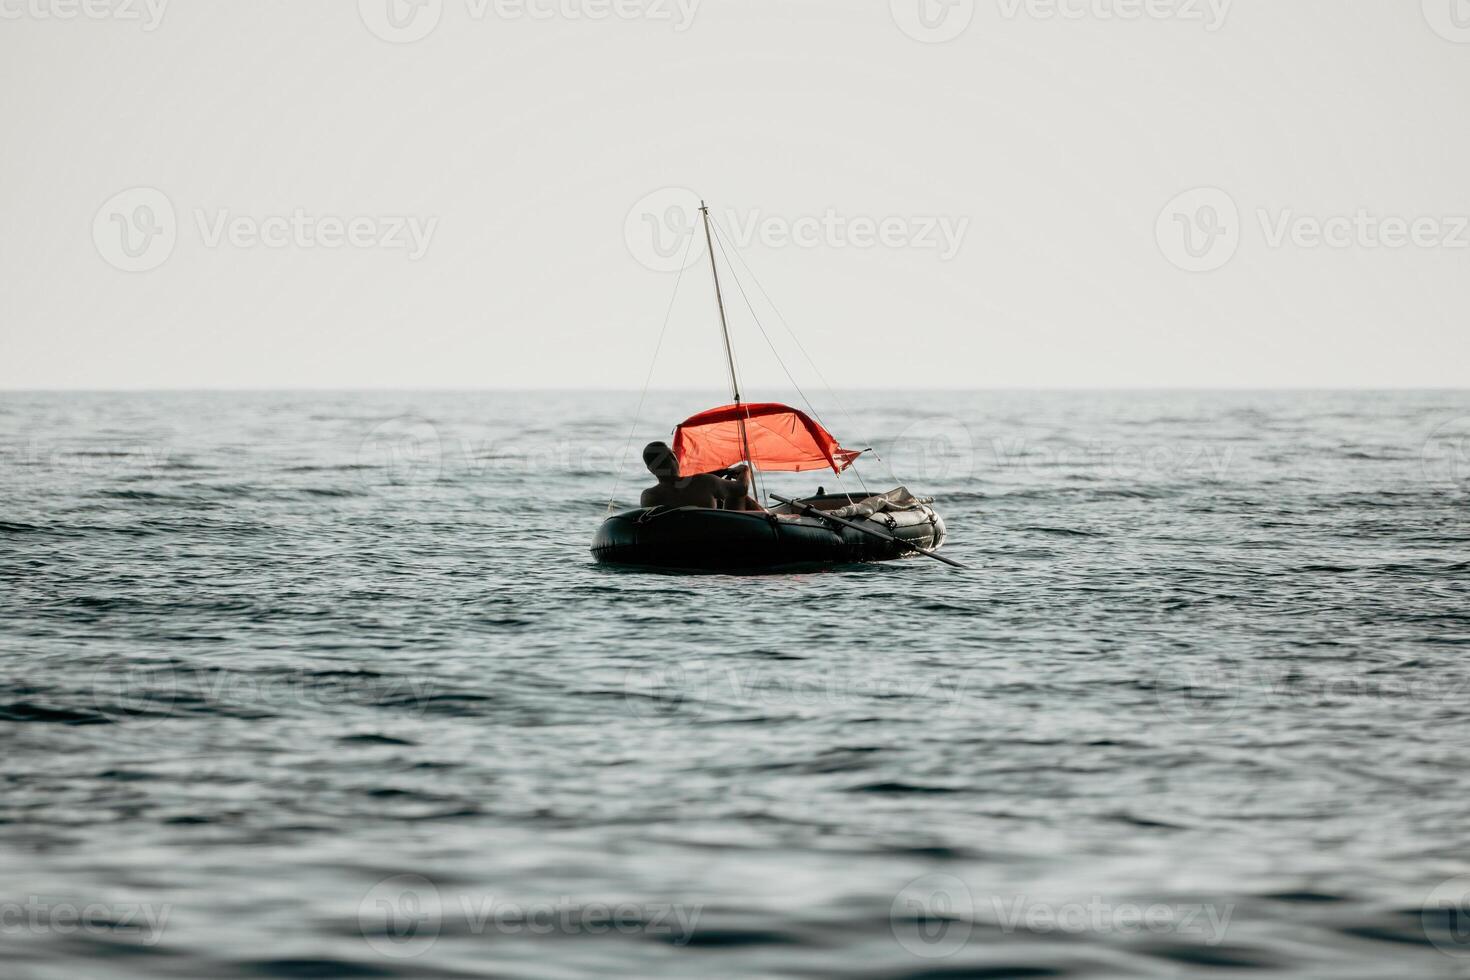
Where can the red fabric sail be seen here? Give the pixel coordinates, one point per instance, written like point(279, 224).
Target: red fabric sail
point(780, 437)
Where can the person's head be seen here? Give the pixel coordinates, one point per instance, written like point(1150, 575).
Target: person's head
point(661, 461)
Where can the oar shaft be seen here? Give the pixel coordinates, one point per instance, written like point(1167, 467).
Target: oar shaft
point(871, 532)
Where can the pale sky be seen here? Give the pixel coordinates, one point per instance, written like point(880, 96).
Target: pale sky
point(489, 193)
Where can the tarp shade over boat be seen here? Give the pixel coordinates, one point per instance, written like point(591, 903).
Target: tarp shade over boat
point(781, 439)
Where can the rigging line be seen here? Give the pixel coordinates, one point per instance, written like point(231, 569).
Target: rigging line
point(842, 406)
point(774, 309)
point(769, 343)
point(638, 414)
point(720, 240)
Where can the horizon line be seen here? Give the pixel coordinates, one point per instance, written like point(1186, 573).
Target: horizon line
point(534, 389)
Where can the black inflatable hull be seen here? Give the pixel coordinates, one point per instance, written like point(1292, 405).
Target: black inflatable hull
point(724, 540)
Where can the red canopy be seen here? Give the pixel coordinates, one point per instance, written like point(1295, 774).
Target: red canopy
point(780, 438)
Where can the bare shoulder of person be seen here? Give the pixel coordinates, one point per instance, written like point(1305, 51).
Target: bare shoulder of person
point(722, 488)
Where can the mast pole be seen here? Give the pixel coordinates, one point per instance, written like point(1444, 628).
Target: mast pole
point(720, 302)
point(725, 332)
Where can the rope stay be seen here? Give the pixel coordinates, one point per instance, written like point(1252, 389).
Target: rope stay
point(735, 277)
point(842, 406)
point(719, 239)
point(648, 379)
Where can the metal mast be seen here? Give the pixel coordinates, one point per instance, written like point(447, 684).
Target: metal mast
point(725, 332)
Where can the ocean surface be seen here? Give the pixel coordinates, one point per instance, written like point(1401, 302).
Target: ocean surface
point(327, 685)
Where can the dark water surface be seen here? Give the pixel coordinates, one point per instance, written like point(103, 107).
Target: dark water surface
point(299, 685)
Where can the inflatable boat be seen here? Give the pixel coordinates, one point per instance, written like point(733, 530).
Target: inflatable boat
point(826, 529)
point(787, 537)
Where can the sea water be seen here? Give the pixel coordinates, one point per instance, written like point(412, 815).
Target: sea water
point(327, 684)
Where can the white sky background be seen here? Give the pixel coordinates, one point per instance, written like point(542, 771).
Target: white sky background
point(1059, 140)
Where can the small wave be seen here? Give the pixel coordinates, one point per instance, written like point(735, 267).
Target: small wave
point(902, 789)
point(15, 527)
point(147, 496)
point(1221, 955)
point(1305, 897)
point(320, 967)
point(374, 739)
point(1068, 532)
point(32, 712)
point(339, 468)
point(331, 492)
